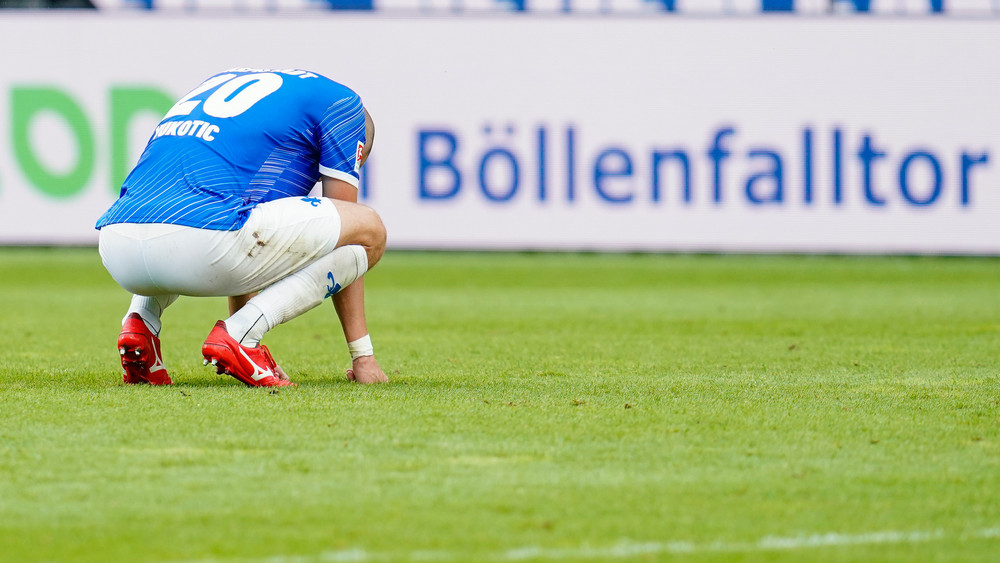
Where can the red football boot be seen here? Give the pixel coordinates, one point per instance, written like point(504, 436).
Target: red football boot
point(253, 366)
point(140, 352)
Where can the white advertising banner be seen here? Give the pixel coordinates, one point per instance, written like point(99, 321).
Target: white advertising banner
point(660, 133)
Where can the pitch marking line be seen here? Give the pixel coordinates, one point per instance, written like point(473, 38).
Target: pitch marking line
point(628, 548)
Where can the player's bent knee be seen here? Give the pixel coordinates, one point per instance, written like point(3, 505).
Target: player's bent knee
point(376, 237)
point(361, 225)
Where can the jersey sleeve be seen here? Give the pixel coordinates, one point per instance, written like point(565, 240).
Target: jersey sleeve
point(342, 137)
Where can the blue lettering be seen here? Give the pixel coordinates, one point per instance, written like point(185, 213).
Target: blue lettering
point(838, 174)
point(682, 158)
point(968, 161)
point(439, 166)
point(541, 164)
point(807, 172)
point(868, 154)
point(364, 180)
point(570, 164)
point(622, 170)
point(920, 172)
point(904, 182)
point(514, 174)
point(717, 153)
point(773, 174)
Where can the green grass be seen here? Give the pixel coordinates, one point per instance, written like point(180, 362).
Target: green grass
point(542, 407)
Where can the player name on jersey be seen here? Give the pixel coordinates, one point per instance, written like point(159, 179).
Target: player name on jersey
point(188, 128)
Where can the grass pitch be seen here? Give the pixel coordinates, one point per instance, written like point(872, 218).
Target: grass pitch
point(542, 407)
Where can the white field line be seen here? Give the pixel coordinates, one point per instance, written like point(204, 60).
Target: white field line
point(627, 548)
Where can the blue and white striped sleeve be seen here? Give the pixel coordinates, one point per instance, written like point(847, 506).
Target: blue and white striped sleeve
point(342, 137)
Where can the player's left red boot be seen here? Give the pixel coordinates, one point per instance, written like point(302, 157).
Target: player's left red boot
point(140, 352)
point(255, 367)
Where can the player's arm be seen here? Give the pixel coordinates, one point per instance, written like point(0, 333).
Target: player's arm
point(350, 301)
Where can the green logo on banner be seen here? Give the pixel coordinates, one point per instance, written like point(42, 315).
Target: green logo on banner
point(124, 103)
point(26, 104)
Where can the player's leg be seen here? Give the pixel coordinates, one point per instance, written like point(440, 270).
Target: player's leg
point(297, 293)
point(234, 346)
point(346, 239)
point(138, 341)
point(360, 243)
point(362, 226)
point(149, 308)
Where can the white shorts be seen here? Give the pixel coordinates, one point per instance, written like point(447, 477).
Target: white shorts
point(279, 238)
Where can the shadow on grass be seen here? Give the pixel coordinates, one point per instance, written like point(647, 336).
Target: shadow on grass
point(232, 383)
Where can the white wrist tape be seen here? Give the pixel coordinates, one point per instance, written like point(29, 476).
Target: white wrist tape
point(361, 347)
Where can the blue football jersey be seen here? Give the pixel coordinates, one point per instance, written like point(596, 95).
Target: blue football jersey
point(243, 137)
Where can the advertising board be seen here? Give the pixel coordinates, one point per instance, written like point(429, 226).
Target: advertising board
point(654, 134)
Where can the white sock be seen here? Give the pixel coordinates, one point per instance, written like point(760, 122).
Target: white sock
point(150, 308)
point(248, 324)
point(297, 293)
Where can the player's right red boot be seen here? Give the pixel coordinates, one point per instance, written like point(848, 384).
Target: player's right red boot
point(140, 352)
point(253, 366)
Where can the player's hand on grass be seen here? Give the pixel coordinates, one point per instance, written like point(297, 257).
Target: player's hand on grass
point(366, 370)
point(280, 373)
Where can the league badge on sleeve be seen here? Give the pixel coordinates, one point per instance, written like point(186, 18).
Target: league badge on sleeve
point(357, 156)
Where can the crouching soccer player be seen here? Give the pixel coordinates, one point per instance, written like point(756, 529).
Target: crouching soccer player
point(218, 206)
